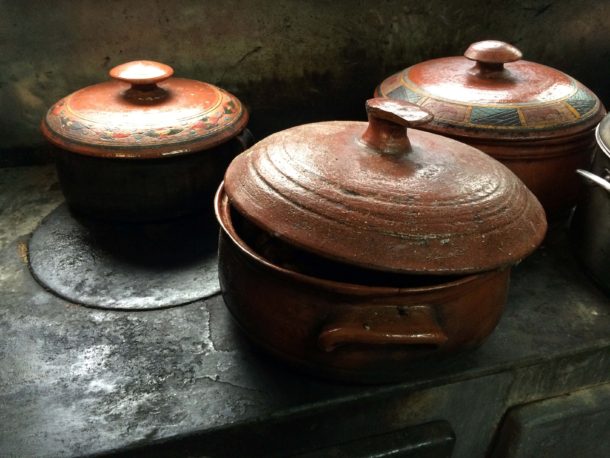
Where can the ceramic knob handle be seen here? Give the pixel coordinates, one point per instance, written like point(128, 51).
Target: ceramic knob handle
point(142, 73)
point(388, 120)
point(491, 55)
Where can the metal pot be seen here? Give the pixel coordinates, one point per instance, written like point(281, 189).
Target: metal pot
point(536, 120)
point(145, 146)
point(590, 227)
point(350, 248)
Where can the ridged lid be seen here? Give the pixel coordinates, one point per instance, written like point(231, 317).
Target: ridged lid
point(144, 113)
point(370, 196)
point(499, 96)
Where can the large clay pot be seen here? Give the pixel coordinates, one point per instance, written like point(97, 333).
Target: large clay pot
point(351, 249)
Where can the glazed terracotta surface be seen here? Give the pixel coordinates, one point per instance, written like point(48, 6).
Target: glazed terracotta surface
point(144, 114)
point(377, 198)
point(349, 249)
point(506, 97)
point(537, 120)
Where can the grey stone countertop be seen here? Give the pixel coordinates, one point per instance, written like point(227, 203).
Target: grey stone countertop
point(76, 380)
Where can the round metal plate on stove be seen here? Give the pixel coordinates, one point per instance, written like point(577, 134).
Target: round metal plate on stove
point(125, 266)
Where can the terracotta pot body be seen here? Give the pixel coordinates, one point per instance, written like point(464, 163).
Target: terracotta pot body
point(148, 190)
point(536, 120)
point(348, 331)
point(144, 146)
point(351, 249)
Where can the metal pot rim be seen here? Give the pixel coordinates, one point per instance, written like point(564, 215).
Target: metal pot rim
point(605, 149)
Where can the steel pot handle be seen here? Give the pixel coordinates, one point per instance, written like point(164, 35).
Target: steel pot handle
point(593, 179)
point(382, 325)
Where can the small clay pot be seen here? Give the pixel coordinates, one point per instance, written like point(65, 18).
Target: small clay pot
point(145, 146)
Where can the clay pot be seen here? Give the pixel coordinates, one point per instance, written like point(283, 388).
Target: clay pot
point(145, 146)
point(350, 249)
point(536, 120)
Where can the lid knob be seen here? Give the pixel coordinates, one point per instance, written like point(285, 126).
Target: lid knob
point(388, 120)
point(490, 56)
point(142, 74)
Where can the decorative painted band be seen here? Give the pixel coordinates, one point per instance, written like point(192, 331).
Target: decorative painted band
point(75, 129)
point(572, 110)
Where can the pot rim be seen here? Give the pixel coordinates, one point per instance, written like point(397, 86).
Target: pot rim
point(221, 209)
point(605, 149)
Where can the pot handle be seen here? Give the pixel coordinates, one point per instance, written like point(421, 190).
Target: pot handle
point(388, 119)
point(382, 325)
point(593, 179)
point(490, 57)
point(143, 75)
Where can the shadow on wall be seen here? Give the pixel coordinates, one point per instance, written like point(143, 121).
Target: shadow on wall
point(290, 62)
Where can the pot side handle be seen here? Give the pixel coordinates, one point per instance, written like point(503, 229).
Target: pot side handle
point(382, 325)
point(593, 179)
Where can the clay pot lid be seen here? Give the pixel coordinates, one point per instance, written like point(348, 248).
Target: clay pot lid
point(491, 92)
point(144, 113)
point(371, 196)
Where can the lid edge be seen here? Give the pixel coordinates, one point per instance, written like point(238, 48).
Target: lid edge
point(144, 152)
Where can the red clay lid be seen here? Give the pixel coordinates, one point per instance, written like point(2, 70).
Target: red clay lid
point(368, 195)
point(144, 113)
point(492, 93)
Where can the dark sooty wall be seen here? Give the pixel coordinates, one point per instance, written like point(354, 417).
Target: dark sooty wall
point(289, 61)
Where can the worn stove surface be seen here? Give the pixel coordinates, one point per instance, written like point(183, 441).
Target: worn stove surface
point(75, 380)
point(125, 266)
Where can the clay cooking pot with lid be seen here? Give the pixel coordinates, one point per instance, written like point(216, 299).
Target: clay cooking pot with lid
point(144, 146)
point(350, 248)
point(536, 120)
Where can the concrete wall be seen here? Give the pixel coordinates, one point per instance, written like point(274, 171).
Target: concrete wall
point(289, 61)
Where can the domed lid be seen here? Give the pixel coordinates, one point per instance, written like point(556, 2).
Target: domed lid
point(144, 113)
point(371, 196)
point(499, 96)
